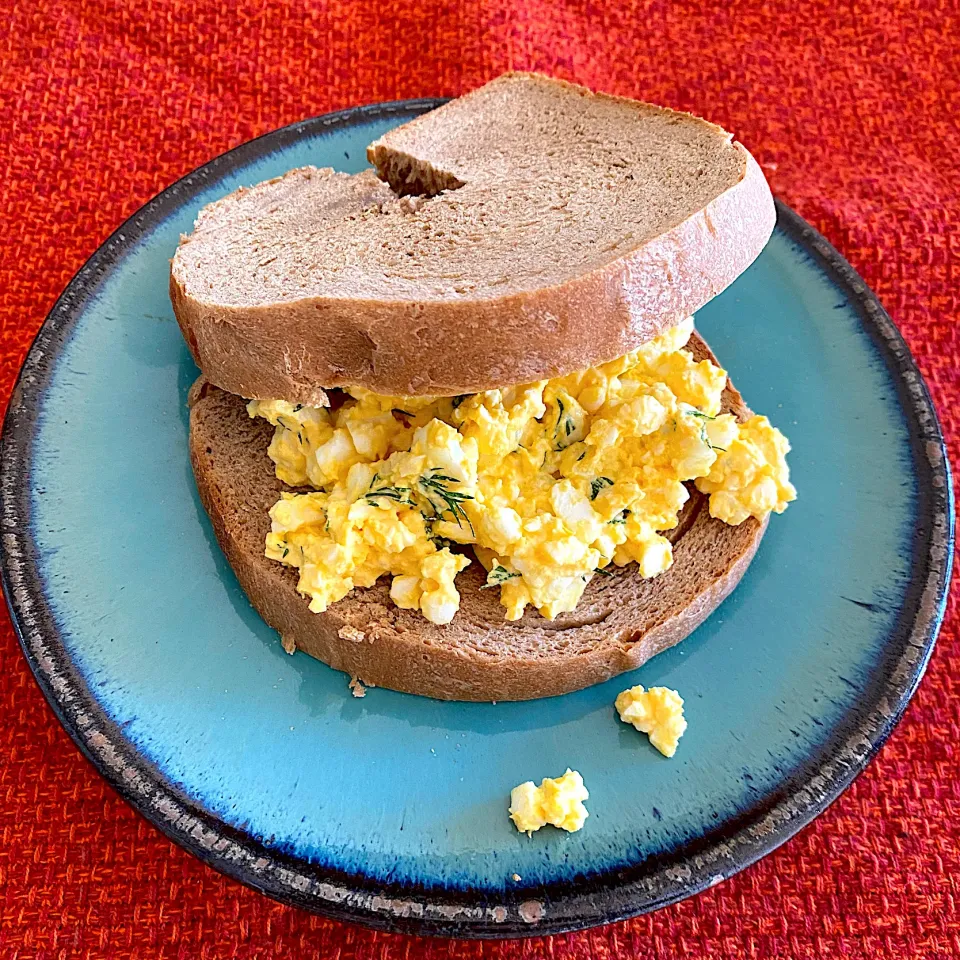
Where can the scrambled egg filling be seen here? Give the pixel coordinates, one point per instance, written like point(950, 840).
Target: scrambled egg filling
point(549, 482)
point(558, 801)
point(657, 712)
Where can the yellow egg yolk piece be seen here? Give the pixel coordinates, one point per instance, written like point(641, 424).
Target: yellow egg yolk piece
point(556, 801)
point(750, 477)
point(548, 482)
point(657, 712)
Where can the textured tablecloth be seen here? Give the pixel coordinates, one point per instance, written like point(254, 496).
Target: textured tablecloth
point(852, 109)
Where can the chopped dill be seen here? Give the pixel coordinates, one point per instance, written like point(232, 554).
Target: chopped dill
point(441, 543)
point(603, 573)
point(298, 408)
point(399, 495)
point(396, 494)
point(597, 484)
point(442, 476)
point(564, 428)
point(403, 413)
point(436, 487)
point(498, 576)
point(700, 415)
point(621, 517)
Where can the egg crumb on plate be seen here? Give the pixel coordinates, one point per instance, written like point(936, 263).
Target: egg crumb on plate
point(657, 712)
point(549, 483)
point(556, 801)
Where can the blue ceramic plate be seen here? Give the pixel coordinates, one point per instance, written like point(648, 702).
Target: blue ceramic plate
point(392, 810)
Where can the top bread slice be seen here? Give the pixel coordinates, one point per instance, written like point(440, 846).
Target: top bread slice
point(526, 230)
point(621, 621)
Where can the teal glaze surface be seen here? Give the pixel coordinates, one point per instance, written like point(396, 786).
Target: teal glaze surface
point(399, 788)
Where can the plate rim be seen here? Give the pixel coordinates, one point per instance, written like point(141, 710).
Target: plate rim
point(396, 907)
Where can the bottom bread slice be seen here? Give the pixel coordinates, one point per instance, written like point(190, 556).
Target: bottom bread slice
point(621, 622)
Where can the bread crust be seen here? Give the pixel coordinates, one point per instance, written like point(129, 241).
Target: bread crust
point(296, 348)
point(621, 622)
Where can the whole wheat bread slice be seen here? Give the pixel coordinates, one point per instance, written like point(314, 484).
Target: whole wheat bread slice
point(619, 624)
point(551, 229)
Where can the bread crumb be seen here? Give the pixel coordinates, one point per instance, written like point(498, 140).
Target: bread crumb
point(289, 645)
point(517, 877)
point(351, 633)
point(357, 688)
point(410, 204)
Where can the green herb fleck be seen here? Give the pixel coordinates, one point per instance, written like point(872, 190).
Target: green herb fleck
point(396, 494)
point(441, 543)
point(604, 573)
point(597, 484)
point(403, 413)
point(564, 428)
point(286, 550)
point(498, 576)
point(703, 429)
point(706, 440)
point(436, 487)
point(621, 517)
point(456, 401)
point(298, 408)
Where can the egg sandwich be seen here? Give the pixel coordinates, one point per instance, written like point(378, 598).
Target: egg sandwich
point(455, 430)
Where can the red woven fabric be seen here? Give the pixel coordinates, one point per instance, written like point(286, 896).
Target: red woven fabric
point(851, 108)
